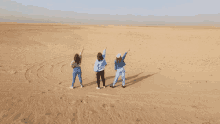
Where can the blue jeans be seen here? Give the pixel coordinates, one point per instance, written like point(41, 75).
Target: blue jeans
point(120, 72)
point(77, 71)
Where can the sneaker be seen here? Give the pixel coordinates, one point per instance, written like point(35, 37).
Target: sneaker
point(103, 86)
point(97, 88)
point(82, 86)
point(123, 86)
point(112, 86)
point(71, 87)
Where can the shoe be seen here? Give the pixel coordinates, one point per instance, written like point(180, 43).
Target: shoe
point(123, 86)
point(103, 86)
point(112, 86)
point(82, 86)
point(98, 88)
point(71, 87)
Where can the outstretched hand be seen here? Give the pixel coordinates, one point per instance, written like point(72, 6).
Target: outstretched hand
point(128, 50)
point(82, 50)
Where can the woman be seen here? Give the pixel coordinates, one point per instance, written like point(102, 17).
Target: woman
point(99, 68)
point(75, 64)
point(119, 67)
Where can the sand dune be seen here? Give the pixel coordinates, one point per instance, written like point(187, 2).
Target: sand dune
point(172, 75)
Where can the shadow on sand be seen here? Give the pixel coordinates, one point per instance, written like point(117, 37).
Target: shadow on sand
point(95, 82)
point(120, 81)
point(128, 78)
point(136, 80)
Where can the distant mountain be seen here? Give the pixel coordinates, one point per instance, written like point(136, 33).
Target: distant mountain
point(11, 11)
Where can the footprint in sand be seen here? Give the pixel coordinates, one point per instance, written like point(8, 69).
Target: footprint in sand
point(26, 121)
point(48, 112)
point(138, 120)
point(74, 115)
point(12, 72)
point(17, 116)
point(92, 112)
point(107, 107)
point(73, 119)
point(206, 123)
point(104, 106)
point(83, 101)
point(5, 115)
point(112, 106)
point(73, 102)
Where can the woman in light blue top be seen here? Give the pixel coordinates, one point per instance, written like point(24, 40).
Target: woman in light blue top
point(119, 67)
point(99, 68)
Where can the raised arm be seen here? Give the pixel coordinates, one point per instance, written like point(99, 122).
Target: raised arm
point(125, 55)
point(81, 53)
point(104, 53)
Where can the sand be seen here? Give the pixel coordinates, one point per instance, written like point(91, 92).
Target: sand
point(172, 74)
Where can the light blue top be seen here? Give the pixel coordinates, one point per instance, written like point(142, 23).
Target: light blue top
point(100, 65)
point(121, 64)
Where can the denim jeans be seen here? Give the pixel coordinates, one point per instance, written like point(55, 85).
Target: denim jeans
point(120, 72)
point(77, 71)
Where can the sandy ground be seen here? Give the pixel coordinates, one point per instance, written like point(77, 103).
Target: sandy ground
point(172, 75)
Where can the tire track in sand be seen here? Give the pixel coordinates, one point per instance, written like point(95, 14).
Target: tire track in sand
point(37, 74)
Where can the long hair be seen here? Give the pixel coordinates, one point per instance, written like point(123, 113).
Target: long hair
point(99, 57)
point(77, 59)
point(118, 60)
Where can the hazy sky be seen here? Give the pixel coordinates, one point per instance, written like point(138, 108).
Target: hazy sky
point(139, 12)
point(124, 7)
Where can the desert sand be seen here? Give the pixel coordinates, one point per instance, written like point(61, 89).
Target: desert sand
point(172, 74)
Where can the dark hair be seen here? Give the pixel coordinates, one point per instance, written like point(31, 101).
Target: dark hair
point(118, 60)
point(77, 59)
point(99, 56)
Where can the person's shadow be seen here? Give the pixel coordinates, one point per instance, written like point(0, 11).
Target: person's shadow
point(128, 78)
point(95, 82)
point(136, 80)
